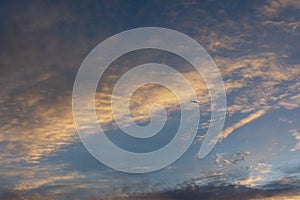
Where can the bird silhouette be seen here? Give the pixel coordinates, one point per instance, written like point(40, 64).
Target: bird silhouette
point(195, 101)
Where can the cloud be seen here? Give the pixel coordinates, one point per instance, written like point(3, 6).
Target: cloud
point(250, 181)
point(273, 7)
point(291, 102)
point(285, 120)
point(242, 122)
point(256, 174)
point(296, 134)
point(39, 64)
point(257, 78)
point(43, 87)
point(34, 183)
point(287, 26)
point(41, 54)
point(143, 99)
point(36, 130)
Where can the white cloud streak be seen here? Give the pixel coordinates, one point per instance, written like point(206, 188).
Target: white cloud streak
point(296, 134)
point(242, 122)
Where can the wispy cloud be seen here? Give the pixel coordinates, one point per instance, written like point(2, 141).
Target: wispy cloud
point(296, 134)
point(242, 122)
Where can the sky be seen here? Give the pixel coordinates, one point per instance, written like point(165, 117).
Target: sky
point(254, 44)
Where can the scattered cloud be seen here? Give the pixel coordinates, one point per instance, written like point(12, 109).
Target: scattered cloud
point(273, 7)
point(288, 26)
point(291, 102)
point(256, 174)
point(237, 160)
point(285, 120)
point(41, 54)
